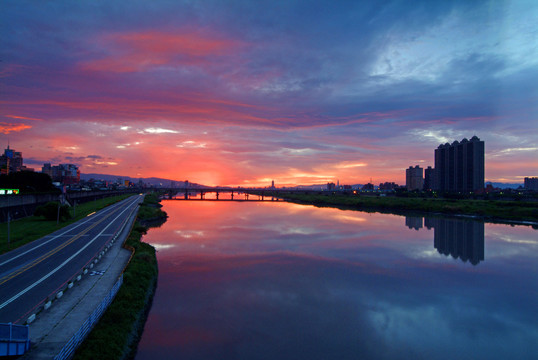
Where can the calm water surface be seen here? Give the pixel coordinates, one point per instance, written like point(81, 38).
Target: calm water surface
point(276, 280)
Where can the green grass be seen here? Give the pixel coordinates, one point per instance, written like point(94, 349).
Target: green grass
point(498, 210)
point(117, 333)
point(31, 228)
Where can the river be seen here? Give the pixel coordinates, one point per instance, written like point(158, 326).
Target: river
point(275, 280)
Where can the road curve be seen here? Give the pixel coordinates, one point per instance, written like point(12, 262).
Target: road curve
point(33, 273)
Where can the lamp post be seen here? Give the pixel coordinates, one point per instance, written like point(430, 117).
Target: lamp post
point(58, 212)
point(8, 242)
point(8, 192)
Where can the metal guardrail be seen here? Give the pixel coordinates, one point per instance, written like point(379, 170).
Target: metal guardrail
point(69, 348)
point(14, 339)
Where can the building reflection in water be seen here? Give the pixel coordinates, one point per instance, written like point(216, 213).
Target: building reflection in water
point(413, 222)
point(463, 239)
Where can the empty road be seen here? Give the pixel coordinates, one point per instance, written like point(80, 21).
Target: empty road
point(36, 271)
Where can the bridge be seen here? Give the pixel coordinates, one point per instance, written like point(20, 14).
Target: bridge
point(236, 193)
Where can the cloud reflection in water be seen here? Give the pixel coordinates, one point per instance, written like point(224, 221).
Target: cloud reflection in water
point(340, 289)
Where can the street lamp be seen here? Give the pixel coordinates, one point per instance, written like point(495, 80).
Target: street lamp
point(8, 192)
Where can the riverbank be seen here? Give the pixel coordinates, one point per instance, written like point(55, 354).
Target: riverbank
point(488, 210)
point(118, 332)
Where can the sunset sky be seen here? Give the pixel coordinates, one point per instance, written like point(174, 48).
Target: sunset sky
point(244, 92)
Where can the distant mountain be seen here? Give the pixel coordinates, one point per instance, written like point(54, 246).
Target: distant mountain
point(152, 180)
point(504, 185)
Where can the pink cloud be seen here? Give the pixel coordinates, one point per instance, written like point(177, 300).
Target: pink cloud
point(138, 51)
point(180, 108)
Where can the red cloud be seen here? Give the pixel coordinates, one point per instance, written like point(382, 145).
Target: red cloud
point(22, 117)
point(130, 52)
point(6, 128)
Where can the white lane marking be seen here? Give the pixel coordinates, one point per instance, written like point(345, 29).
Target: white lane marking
point(46, 242)
point(7, 302)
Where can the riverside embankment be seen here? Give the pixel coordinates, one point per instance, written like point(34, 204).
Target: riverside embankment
point(501, 211)
point(117, 334)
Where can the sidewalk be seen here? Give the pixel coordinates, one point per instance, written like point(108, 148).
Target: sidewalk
point(54, 327)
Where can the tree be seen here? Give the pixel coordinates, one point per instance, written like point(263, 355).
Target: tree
point(27, 182)
point(50, 211)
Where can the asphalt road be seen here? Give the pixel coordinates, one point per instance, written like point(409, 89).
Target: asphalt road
point(35, 272)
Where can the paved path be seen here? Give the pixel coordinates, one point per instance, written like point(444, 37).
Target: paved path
point(54, 327)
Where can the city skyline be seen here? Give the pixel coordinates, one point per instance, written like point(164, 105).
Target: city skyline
point(243, 93)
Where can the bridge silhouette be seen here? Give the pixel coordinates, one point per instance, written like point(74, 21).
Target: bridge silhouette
point(236, 193)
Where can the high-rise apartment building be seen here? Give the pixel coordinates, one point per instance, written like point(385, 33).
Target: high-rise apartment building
point(531, 183)
point(413, 178)
point(11, 161)
point(459, 167)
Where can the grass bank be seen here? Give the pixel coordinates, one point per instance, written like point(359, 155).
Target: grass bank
point(490, 210)
point(118, 332)
point(25, 230)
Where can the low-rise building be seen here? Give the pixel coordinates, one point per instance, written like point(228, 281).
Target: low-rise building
point(388, 186)
point(66, 174)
